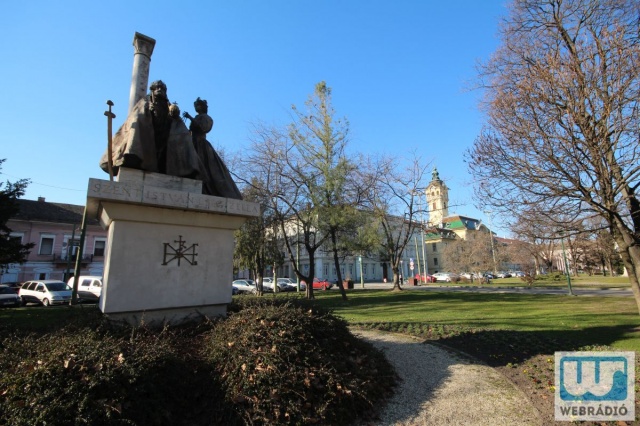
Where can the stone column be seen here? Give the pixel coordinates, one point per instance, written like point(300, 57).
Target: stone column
point(143, 47)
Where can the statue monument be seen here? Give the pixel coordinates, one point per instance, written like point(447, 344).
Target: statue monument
point(171, 212)
point(154, 138)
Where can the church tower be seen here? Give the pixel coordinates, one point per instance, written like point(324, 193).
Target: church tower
point(438, 199)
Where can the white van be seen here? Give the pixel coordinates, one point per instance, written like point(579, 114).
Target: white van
point(89, 287)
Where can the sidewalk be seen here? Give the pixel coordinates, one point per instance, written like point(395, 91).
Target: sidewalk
point(439, 387)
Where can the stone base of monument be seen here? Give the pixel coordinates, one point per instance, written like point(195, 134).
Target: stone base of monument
point(170, 248)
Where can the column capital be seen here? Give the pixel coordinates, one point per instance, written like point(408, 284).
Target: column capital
point(143, 44)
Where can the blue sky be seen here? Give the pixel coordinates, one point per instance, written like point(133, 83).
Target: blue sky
point(399, 71)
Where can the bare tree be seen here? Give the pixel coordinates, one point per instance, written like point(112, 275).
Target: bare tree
point(562, 104)
point(472, 254)
point(393, 201)
point(537, 241)
point(255, 248)
point(525, 255)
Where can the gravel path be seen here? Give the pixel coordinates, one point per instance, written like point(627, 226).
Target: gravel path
point(439, 387)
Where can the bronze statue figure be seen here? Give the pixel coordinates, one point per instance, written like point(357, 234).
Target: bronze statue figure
point(215, 176)
point(154, 138)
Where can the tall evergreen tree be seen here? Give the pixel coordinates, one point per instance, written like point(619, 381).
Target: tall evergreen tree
point(11, 249)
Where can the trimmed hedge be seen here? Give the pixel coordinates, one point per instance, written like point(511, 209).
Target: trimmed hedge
point(286, 362)
point(105, 376)
point(269, 362)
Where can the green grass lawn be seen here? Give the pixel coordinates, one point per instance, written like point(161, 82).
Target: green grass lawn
point(609, 321)
point(559, 280)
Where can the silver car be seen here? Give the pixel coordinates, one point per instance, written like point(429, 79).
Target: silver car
point(45, 292)
point(245, 286)
point(446, 277)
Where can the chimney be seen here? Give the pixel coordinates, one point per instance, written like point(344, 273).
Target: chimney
point(41, 199)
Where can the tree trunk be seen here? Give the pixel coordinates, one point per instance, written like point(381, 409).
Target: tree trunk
point(396, 278)
point(630, 254)
point(336, 262)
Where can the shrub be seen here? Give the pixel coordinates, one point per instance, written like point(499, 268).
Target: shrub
point(285, 362)
point(100, 375)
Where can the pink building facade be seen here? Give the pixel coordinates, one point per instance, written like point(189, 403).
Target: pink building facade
point(54, 229)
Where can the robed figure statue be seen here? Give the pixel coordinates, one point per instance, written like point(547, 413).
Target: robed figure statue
point(155, 139)
point(216, 178)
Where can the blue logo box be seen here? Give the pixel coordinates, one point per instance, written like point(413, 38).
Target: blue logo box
point(595, 386)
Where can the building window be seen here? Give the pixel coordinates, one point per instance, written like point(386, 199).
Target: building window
point(434, 247)
point(364, 269)
point(435, 261)
point(70, 247)
point(14, 236)
point(326, 270)
point(46, 245)
point(98, 248)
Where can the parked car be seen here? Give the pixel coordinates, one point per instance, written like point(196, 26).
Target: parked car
point(425, 278)
point(245, 286)
point(503, 274)
point(234, 290)
point(13, 285)
point(518, 274)
point(446, 277)
point(467, 275)
point(284, 284)
point(8, 297)
point(293, 283)
point(321, 284)
point(46, 292)
point(89, 287)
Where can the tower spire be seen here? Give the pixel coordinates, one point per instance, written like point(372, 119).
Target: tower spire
point(438, 198)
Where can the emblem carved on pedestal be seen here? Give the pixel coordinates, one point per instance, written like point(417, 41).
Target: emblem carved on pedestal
point(181, 252)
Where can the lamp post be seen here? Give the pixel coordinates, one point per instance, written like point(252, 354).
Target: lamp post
point(566, 265)
point(297, 253)
point(361, 277)
point(493, 252)
point(67, 273)
point(424, 255)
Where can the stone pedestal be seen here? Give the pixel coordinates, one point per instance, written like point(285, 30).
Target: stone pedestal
point(170, 248)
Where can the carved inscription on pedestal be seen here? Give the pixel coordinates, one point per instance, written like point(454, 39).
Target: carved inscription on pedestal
point(180, 252)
